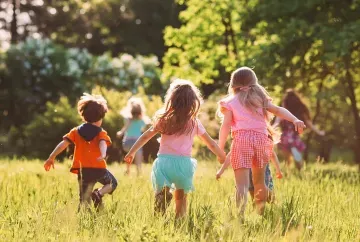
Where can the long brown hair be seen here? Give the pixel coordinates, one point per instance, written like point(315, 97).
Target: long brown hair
point(293, 102)
point(182, 103)
point(251, 94)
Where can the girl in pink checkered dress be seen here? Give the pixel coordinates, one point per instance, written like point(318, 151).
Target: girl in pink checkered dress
point(245, 112)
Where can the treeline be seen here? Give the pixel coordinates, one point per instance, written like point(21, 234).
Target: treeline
point(310, 45)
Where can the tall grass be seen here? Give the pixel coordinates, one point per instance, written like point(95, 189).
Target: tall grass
point(320, 204)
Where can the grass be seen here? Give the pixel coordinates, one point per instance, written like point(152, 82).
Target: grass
point(320, 204)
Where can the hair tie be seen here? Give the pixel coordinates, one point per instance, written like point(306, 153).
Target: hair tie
point(245, 88)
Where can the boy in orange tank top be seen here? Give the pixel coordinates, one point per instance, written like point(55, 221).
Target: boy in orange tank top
point(91, 143)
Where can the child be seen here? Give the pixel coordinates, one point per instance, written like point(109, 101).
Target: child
point(135, 122)
point(178, 125)
point(291, 143)
point(90, 142)
point(245, 113)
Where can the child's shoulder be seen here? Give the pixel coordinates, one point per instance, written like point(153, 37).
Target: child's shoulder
point(228, 99)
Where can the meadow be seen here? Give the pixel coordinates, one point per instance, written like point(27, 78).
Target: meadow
point(320, 204)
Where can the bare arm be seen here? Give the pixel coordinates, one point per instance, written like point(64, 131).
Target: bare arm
point(223, 167)
point(314, 128)
point(225, 128)
point(123, 130)
point(285, 114)
point(144, 138)
point(276, 163)
point(103, 148)
point(58, 149)
point(213, 146)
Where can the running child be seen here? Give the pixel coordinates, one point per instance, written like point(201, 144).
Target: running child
point(245, 113)
point(178, 125)
point(274, 136)
point(135, 122)
point(291, 143)
point(91, 143)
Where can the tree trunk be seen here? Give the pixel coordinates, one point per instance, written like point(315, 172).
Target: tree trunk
point(13, 28)
point(349, 80)
point(317, 113)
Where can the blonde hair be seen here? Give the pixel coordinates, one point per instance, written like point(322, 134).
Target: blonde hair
point(135, 109)
point(251, 94)
point(182, 104)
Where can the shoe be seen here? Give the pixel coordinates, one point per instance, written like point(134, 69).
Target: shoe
point(96, 198)
point(296, 154)
point(162, 201)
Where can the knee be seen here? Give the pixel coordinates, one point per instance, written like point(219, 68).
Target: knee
point(113, 184)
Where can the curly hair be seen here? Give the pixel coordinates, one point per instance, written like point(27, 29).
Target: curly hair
point(92, 108)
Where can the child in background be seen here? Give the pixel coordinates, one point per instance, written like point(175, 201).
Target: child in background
point(291, 143)
point(245, 113)
point(135, 121)
point(91, 143)
point(178, 125)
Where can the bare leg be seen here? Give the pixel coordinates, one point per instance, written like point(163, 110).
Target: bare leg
point(180, 203)
point(138, 161)
point(127, 172)
point(85, 193)
point(242, 187)
point(105, 189)
point(260, 189)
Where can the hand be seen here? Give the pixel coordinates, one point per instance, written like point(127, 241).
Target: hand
point(221, 159)
point(279, 175)
point(48, 164)
point(299, 126)
point(129, 158)
point(219, 173)
point(119, 134)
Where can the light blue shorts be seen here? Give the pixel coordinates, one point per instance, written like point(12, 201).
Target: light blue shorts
point(173, 171)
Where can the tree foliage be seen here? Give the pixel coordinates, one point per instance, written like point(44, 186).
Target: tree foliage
point(312, 46)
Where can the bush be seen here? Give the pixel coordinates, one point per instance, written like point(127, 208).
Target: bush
point(46, 130)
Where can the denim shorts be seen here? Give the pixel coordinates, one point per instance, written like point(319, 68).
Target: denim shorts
point(128, 143)
point(88, 177)
point(173, 171)
point(268, 179)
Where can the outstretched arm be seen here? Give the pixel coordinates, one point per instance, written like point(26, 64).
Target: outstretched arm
point(123, 130)
point(144, 138)
point(285, 114)
point(223, 167)
point(314, 128)
point(211, 144)
point(225, 128)
point(58, 149)
point(276, 163)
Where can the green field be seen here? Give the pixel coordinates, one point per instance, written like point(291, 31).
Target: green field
point(321, 204)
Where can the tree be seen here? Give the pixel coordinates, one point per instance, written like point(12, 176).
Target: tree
point(116, 26)
point(312, 46)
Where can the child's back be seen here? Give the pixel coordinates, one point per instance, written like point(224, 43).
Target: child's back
point(180, 144)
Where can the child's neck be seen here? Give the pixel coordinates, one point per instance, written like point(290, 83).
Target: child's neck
point(98, 123)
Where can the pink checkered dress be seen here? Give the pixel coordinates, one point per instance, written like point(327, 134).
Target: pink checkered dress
point(251, 146)
point(250, 149)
